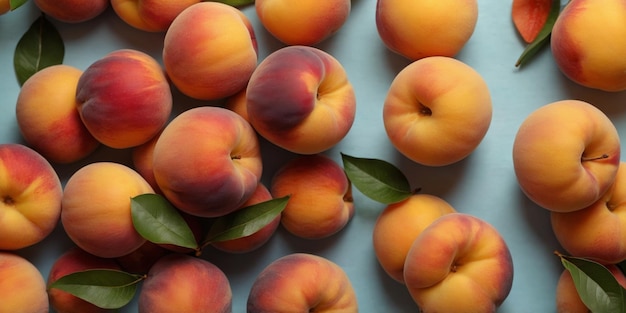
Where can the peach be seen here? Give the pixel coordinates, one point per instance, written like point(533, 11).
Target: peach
point(459, 263)
point(306, 22)
point(150, 15)
point(210, 51)
point(418, 29)
point(5, 6)
point(567, 298)
point(182, 283)
point(47, 115)
point(597, 232)
point(22, 287)
point(301, 282)
point(574, 166)
point(320, 202)
point(72, 11)
point(207, 161)
point(30, 197)
point(124, 98)
point(96, 212)
point(588, 43)
point(238, 103)
point(259, 238)
point(437, 111)
point(140, 260)
point(141, 157)
point(399, 224)
point(71, 261)
point(300, 99)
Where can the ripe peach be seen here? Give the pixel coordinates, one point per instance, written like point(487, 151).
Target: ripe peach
point(150, 15)
point(210, 51)
point(437, 111)
point(300, 99)
point(238, 103)
point(399, 225)
point(22, 287)
point(72, 11)
point(47, 115)
point(306, 22)
point(418, 29)
point(140, 260)
point(207, 161)
point(96, 208)
point(71, 261)
point(124, 98)
point(301, 282)
point(588, 42)
point(459, 263)
point(5, 6)
point(567, 298)
point(182, 283)
point(142, 161)
point(320, 202)
point(30, 197)
point(574, 166)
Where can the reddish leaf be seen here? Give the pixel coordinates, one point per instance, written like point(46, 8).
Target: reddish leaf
point(529, 16)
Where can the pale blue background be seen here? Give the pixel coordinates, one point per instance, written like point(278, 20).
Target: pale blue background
point(484, 184)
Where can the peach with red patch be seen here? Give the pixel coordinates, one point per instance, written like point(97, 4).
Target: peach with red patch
point(150, 15)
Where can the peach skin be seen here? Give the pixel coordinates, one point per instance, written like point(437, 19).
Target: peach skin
point(22, 287)
point(150, 15)
point(72, 11)
point(300, 99)
point(30, 197)
point(301, 282)
point(574, 166)
point(5, 6)
point(141, 157)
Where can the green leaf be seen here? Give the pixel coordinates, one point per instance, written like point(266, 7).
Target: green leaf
point(246, 221)
point(108, 289)
point(157, 220)
point(235, 3)
point(596, 286)
point(542, 38)
point(377, 179)
point(14, 4)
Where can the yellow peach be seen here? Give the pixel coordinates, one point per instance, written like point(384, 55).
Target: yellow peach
point(150, 15)
point(22, 287)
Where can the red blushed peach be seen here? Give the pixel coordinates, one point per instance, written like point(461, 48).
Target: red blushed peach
point(256, 240)
point(182, 283)
point(207, 161)
point(567, 298)
point(30, 197)
point(96, 208)
point(22, 287)
point(47, 115)
point(306, 22)
point(75, 260)
point(140, 260)
point(300, 99)
point(302, 282)
point(72, 11)
point(124, 98)
point(150, 15)
point(210, 51)
point(320, 202)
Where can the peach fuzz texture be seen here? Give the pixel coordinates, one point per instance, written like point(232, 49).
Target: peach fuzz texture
point(30, 197)
point(23, 287)
point(302, 282)
point(124, 98)
point(437, 111)
point(320, 196)
point(207, 161)
point(210, 51)
point(588, 43)
point(300, 99)
point(96, 208)
point(47, 115)
point(182, 283)
point(306, 22)
point(150, 15)
point(419, 29)
point(550, 169)
point(72, 11)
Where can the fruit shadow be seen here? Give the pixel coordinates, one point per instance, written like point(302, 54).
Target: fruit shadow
point(613, 104)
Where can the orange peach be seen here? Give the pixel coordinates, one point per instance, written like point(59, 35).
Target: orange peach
point(72, 11)
point(399, 225)
point(301, 282)
point(142, 161)
point(238, 103)
point(300, 99)
point(320, 202)
point(5, 6)
point(207, 161)
point(210, 51)
point(567, 298)
point(182, 283)
point(306, 22)
point(96, 208)
point(124, 98)
point(30, 197)
point(47, 115)
point(22, 287)
point(150, 15)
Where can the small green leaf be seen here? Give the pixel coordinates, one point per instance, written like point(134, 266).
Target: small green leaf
point(157, 220)
point(377, 179)
point(234, 3)
point(41, 46)
point(108, 289)
point(246, 221)
point(542, 38)
point(596, 286)
point(14, 4)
